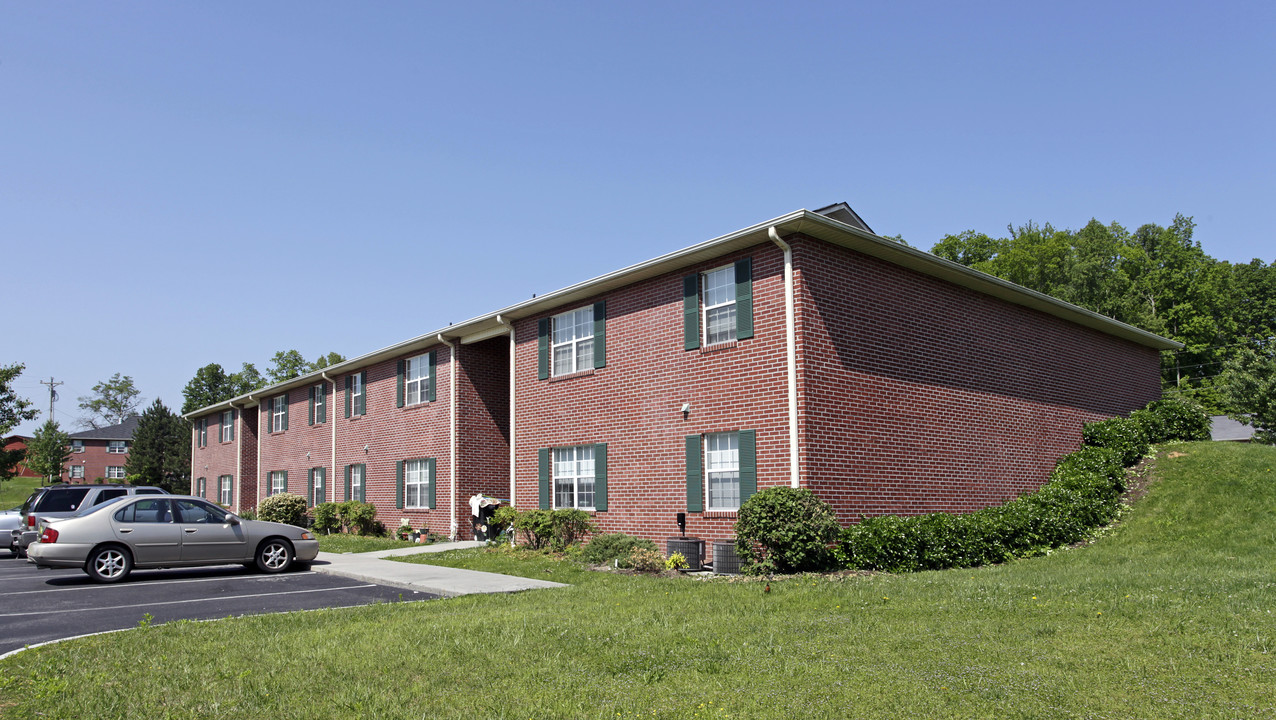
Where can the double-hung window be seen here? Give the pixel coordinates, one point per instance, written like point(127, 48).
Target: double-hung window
point(279, 413)
point(228, 426)
point(224, 489)
point(77, 446)
point(573, 341)
point(278, 481)
point(356, 488)
point(416, 380)
point(77, 472)
point(722, 470)
point(318, 485)
point(719, 305)
point(201, 428)
point(357, 394)
point(115, 472)
point(318, 413)
point(117, 447)
point(574, 477)
point(416, 484)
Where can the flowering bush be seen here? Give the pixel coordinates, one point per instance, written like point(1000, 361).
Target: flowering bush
point(644, 560)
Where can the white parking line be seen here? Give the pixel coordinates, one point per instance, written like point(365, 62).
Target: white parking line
point(221, 598)
point(156, 582)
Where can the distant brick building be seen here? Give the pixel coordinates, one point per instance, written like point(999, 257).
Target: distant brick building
point(100, 455)
point(803, 351)
point(19, 442)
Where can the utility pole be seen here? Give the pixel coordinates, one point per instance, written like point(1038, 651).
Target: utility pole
point(53, 394)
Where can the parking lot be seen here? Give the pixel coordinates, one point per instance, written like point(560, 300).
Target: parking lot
point(44, 605)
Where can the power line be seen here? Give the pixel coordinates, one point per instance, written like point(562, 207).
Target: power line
point(53, 394)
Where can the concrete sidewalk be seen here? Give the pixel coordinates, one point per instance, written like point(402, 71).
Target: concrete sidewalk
point(442, 581)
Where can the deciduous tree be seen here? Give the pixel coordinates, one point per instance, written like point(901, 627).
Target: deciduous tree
point(48, 451)
point(14, 410)
point(113, 401)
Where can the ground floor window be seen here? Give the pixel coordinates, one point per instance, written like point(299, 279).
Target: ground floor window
point(223, 489)
point(77, 472)
point(278, 482)
point(722, 468)
point(356, 483)
point(115, 472)
point(574, 477)
point(416, 484)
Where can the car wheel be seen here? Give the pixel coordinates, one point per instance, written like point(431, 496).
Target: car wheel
point(109, 564)
point(274, 555)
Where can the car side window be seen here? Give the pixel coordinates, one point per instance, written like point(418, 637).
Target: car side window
point(145, 511)
point(62, 500)
point(109, 494)
point(150, 491)
point(193, 511)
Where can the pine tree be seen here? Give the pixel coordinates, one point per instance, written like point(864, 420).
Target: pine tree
point(160, 454)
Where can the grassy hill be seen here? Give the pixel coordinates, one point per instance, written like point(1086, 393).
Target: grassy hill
point(14, 492)
point(1169, 615)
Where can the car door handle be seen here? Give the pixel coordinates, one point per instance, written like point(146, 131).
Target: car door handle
point(126, 530)
point(191, 530)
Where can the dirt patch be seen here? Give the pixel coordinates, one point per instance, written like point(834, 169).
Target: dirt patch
point(1139, 479)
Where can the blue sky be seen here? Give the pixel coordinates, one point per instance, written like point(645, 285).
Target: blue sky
point(186, 183)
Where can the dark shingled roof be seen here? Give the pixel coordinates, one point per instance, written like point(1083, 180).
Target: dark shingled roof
point(123, 431)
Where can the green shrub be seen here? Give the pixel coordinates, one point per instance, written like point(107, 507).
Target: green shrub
point(1179, 419)
point(552, 529)
point(603, 549)
point(676, 561)
point(283, 508)
point(325, 517)
point(785, 530)
point(359, 517)
point(1121, 434)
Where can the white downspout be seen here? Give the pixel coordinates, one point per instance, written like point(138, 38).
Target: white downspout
point(194, 446)
point(790, 338)
point(333, 420)
point(513, 376)
point(452, 429)
point(257, 479)
point(237, 415)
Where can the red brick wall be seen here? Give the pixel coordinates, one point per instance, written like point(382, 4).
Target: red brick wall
point(483, 449)
point(633, 403)
point(19, 443)
point(95, 459)
point(219, 458)
point(287, 450)
point(919, 396)
point(246, 480)
point(392, 434)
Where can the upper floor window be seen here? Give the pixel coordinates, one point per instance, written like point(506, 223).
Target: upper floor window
point(201, 429)
point(228, 426)
point(718, 305)
point(573, 341)
point(117, 447)
point(279, 413)
point(77, 446)
point(318, 404)
point(574, 477)
point(416, 379)
point(356, 394)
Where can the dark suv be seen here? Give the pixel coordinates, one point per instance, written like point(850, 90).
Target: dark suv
point(59, 501)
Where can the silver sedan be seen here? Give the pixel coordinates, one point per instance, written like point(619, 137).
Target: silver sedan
point(150, 531)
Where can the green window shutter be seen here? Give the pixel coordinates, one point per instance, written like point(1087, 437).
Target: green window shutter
point(543, 457)
point(363, 486)
point(219, 427)
point(310, 414)
point(600, 477)
point(285, 481)
point(286, 403)
point(323, 406)
point(429, 473)
point(691, 312)
point(234, 416)
point(310, 485)
point(349, 382)
point(363, 398)
point(542, 349)
point(600, 334)
point(748, 464)
point(348, 482)
point(321, 485)
point(744, 300)
point(695, 474)
point(398, 397)
point(431, 362)
point(398, 480)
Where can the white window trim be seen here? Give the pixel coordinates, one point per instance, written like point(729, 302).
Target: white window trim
point(114, 449)
point(576, 477)
point(707, 308)
point(283, 480)
point(356, 392)
point(76, 475)
point(225, 489)
point(356, 481)
point(575, 343)
point(115, 472)
point(77, 446)
point(416, 476)
point(709, 473)
point(277, 409)
point(321, 400)
point(321, 484)
point(228, 425)
point(416, 380)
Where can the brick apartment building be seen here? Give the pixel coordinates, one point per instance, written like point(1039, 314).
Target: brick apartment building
point(802, 351)
point(19, 442)
point(100, 455)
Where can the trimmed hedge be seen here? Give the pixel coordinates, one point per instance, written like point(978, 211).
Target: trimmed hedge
point(1082, 494)
point(785, 530)
point(284, 508)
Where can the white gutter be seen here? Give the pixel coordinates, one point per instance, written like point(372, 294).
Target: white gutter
point(790, 341)
point(452, 429)
point(333, 420)
point(513, 377)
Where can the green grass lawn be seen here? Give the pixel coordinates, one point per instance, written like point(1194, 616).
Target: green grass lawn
point(1168, 615)
point(14, 492)
point(357, 543)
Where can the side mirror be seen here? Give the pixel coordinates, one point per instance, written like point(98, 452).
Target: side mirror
point(232, 519)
